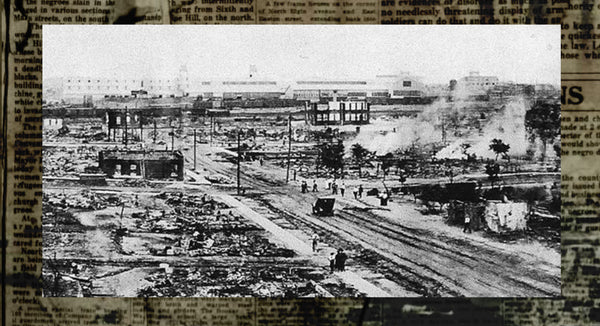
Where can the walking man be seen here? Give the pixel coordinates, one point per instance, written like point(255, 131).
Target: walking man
point(355, 192)
point(342, 189)
point(314, 185)
point(467, 226)
point(315, 242)
point(340, 260)
point(360, 191)
point(332, 262)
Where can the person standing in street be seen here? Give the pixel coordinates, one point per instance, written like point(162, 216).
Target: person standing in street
point(360, 191)
point(340, 260)
point(467, 226)
point(355, 192)
point(314, 185)
point(315, 242)
point(343, 189)
point(332, 262)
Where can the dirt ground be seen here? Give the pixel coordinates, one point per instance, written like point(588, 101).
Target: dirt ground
point(400, 249)
point(155, 240)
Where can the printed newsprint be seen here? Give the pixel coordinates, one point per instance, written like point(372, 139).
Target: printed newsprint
point(132, 213)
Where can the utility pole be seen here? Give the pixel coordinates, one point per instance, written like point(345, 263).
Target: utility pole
point(443, 130)
point(154, 140)
point(212, 124)
point(126, 116)
point(340, 144)
point(141, 127)
point(194, 149)
point(238, 161)
point(172, 138)
point(287, 175)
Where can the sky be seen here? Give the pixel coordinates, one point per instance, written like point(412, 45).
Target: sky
point(437, 54)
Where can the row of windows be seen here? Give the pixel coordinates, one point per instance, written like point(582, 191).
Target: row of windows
point(407, 93)
point(117, 87)
point(125, 81)
point(481, 84)
point(336, 117)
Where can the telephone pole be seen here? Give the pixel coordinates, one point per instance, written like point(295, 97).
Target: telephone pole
point(172, 138)
point(212, 126)
point(126, 116)
point(287, 175)
point(154, 139)
point(194, 149)
point(238, 161)
point(141, 127)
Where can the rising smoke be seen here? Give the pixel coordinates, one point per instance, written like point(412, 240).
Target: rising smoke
point(385, 135)
point(508, 126)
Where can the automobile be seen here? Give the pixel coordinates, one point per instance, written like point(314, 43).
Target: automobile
point(323, 206)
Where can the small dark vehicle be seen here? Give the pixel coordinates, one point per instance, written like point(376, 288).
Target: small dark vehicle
point(324, 206)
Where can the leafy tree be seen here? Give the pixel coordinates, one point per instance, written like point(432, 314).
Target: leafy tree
point(543, 121)
point(386, 163)
point(499, 147)
point(359, 156)
point(331, 156)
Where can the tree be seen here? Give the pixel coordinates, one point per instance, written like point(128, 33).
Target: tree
point(386, 163)
point(543, 121)
point(359, 156)
point(499, 147)
point(331, 156)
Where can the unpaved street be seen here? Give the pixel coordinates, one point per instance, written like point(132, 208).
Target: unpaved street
point(398, 248)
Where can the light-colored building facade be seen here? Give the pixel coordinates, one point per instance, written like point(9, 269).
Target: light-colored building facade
point(476, 82)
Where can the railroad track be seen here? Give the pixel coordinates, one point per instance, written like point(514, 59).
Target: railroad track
point(420, 261)
point(447, 264)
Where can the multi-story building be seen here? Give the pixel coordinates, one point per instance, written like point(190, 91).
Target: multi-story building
point(477, 82)
point(74, 89)
point(401, 85)
point(340, 113)
point(383, 86)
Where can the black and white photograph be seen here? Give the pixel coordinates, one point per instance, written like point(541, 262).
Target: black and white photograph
point(301, 161)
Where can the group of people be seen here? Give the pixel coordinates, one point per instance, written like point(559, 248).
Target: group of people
point(304, 186)
point(334, 187)
point(337, 262)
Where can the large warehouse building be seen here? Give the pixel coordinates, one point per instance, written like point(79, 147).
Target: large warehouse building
point(74, 89)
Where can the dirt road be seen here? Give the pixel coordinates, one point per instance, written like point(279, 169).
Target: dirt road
point(403, 250)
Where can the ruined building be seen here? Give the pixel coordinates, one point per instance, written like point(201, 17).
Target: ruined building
point(142, 164)
point(340, 113)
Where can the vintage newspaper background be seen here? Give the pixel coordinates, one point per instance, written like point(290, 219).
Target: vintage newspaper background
point(22, 303)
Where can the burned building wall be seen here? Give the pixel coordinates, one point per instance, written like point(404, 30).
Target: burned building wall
point(340, 113)
point(149, 165)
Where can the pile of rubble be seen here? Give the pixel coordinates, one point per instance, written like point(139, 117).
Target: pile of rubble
point(84, 200)
point(235, 282)
point(205, 227)
point(69, 162)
